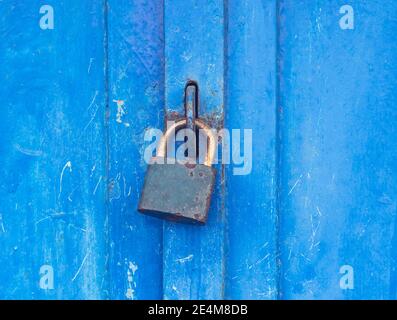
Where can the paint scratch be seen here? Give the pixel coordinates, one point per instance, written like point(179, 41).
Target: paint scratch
point(92, 170)
point(185, 259)
point(60, 216)
point(29, 152)
point(290, 253)
point(70, 195)
point(89, 65)
point(126, 194)
point(315, 227)
point(294, 186)
point(67, 165)
point(97, 185)
point(93, 100)
point(259, 261)
point(94, 113)
point(41, 220)
point(81, 266)
point(175, 288)
point(2, 224)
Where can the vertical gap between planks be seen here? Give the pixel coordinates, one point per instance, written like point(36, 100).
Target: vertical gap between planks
point(223, 173)
point(163, 284)
point(278, 153)
point(164, 123)
point(107, 144)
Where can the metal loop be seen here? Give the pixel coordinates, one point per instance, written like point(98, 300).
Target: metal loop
point(209, 159)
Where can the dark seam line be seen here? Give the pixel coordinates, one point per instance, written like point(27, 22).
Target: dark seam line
point(278, 150)
point(225, 245)
point(163, 282)
point(107, 145)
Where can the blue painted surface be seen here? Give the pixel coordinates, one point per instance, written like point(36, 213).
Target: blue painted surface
point(194, 50)
point(251, 271)
point(338, 154)
point(136, 78)
point(78, 99)
point(52, 135)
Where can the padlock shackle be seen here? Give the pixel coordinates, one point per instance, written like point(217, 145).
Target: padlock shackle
point(209, 159)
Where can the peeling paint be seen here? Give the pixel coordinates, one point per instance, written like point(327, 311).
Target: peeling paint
point(132, 268)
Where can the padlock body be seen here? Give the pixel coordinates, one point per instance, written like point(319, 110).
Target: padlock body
point(178, 192)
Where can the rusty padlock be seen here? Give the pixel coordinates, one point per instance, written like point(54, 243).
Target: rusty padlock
point(179, 192)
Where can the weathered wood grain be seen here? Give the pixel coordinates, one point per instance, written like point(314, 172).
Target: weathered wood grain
point(251, 207)
point(135, 105)
point(194, 50)
point(52, 151)
point(338, 151)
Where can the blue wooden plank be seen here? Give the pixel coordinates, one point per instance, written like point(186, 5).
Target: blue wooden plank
point(136, 103)
point(71, 176)
point(338, 151)
point(194, 50)
point(52, 213)
point(251, 270)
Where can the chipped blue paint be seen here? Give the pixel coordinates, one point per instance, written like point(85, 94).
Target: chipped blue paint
point(315, 219)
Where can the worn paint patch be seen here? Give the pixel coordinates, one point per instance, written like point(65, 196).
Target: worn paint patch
point(132, 268)
point(185, 259)
point(121, 111)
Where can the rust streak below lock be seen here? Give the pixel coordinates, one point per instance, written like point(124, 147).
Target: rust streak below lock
point(179, 192)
